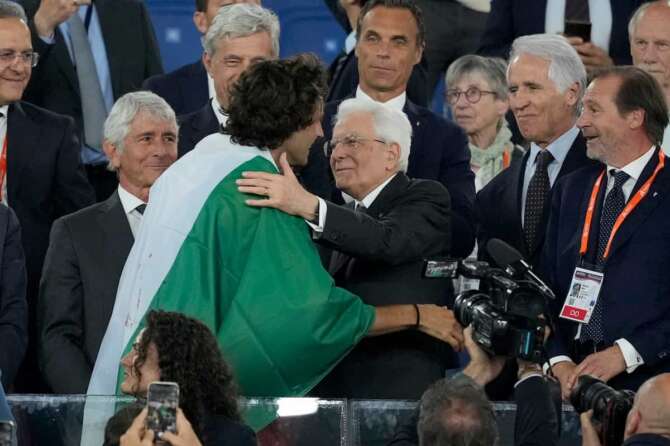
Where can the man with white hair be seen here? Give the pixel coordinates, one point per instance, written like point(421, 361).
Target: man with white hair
point(88, 249)
point(240, 36)
point(379, 242)
point(650, 47)
point(546, 81)
point(188, 88)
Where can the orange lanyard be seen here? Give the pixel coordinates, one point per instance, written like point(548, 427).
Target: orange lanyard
point(3, 165)
point(632, 204)
point(507, 159)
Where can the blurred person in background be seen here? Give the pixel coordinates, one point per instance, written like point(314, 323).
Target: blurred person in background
point(189, 87)
point(477, 95)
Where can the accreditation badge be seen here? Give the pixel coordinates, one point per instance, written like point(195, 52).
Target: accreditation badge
point(582, 295)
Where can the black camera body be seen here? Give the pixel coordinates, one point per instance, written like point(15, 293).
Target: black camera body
point(610, 407)
point(504, 312)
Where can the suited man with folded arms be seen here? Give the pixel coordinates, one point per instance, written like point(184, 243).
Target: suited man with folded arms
point(379, 242)
point(240, 36)
point(43, 178)
point(93, 52)
point(608, 231)
point(188, 88)
point(89, 248)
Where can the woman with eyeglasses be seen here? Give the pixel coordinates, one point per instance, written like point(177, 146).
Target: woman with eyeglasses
point(477, 96)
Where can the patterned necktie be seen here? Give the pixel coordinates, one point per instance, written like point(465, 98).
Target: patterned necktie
point(614, 205)
point(577, 11)
point(536, 197)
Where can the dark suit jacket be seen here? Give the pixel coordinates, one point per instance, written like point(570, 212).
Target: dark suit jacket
point(185, 88)
point(81, 274)
point(498, 205)
point(13, 306)
point(132, 53)
point(636, 285)
point(45, 179)
point(510, 19)
point(439, 152)
point(647, 440)
point(195, 126)
point(379, 257)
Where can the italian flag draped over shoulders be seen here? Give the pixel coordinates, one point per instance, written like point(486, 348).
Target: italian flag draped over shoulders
point(252, 275)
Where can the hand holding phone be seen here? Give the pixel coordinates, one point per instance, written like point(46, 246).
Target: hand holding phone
point(6, 432)
point(162, 403)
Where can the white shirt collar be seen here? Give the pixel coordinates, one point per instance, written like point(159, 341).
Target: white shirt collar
point(397, 103)
point(210, 86)
point(218, 112)
point(372, 196)
point(128, 200)
point(350, 42)
point(634, 168)
point(4, 110)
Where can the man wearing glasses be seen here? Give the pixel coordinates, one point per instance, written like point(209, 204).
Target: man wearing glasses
point(41, 177)
point(379, 242)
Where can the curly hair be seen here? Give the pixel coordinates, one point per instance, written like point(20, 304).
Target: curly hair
point(274, 99)
point(189, 355)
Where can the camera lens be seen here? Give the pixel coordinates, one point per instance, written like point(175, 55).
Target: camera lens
point(465, 305)
point(591, 393)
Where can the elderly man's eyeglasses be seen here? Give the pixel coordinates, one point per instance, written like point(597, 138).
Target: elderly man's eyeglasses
point(472, 94)
point(351, 142)
point(7, 57)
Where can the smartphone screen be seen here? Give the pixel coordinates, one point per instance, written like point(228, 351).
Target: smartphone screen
point(6, 432)
point(578, 29)
point(162, 403)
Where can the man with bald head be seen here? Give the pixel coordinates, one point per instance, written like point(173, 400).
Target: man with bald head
point(650, 47)
point(648, 422)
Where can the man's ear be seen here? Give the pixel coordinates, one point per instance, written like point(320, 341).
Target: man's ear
point(635, 119)
point(112, 153)
point(207, 62)
point(392, 156)
point(572, 94)
point(200, 21)
point(632, 423)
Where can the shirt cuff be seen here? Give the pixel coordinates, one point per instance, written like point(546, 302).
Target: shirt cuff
point(631, 356)
point(553, 361)
point(530, 375)
point(49, 40)
point(322, 217)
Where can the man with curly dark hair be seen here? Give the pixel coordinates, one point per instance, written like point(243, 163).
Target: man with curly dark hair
point(174, 347)
point(252, 275)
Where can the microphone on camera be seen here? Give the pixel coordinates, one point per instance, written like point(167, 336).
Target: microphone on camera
point(511, 260)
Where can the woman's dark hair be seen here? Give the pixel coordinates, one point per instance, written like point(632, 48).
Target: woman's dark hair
point(274, 99)
point(189, 355)
point(120, 422)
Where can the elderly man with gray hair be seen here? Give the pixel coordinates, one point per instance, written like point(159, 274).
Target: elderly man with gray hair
point(88, 249)
point(379, 242)
point(240, 36)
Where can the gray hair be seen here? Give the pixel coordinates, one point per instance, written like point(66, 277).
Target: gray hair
point(492, 69)
point(10, 9)
point(389, 124)
point(241, 20)
point(122, 114)
point(565, 67)
point(637, 15)
point(456, 412)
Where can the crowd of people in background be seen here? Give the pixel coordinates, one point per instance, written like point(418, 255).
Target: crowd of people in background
point(173, 226)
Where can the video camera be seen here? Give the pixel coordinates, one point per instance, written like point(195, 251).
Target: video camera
point(610, 407)
point(505, 311)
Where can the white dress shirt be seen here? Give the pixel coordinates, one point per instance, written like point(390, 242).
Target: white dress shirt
point(3, 134)
point(665, 145)
point(210, 86)
point(559, 150)
point(600, 12)
point(634, 169)
point(397, 103)
point(130, 203)
point(218, 111)
point(366, 202)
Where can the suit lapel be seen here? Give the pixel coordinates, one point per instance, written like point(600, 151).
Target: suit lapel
point(648, 204)
point(205, 124)
point(22, 140)
point(65, 62)
point(416, 119)
point(116, 229)
point(513, 198)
